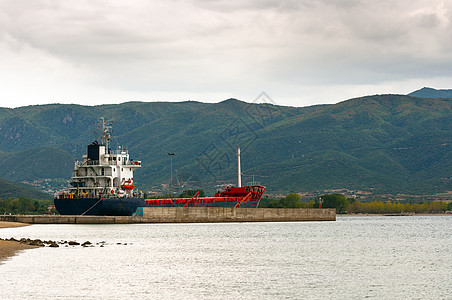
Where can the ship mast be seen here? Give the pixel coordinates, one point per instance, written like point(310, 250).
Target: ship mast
point(239, 173)
point(106, 133)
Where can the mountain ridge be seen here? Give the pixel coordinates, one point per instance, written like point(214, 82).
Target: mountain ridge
point(427, 92)
point(14, 190)
point(385, 143)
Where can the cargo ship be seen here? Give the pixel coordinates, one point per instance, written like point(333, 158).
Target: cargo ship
point(103, 185)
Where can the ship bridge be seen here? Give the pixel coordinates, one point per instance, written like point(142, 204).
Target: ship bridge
point(104, 172)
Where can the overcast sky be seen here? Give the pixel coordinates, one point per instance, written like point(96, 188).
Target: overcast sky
point(300, 52)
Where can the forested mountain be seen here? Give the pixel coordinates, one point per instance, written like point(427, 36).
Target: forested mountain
point(382, 143)
point(16, 190)
point(431, 93)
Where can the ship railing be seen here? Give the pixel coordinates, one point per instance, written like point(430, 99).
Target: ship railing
point(97, 163)
point(132, 163)
point(244, 200)
point(193, 200)
point(75, 195)
point(84, 188)
point(120, 151)
point(106, 174)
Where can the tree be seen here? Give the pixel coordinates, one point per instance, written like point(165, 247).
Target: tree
point(25, 205)
point(291, 201)
point(275, 204)
point(337, 201)
point(36, 205)
point(191, 193)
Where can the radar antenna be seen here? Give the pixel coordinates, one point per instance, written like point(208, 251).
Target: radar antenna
point(105, 137)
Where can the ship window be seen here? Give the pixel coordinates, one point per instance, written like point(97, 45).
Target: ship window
point(122, 169)
point(119, 158)
point(114, 157)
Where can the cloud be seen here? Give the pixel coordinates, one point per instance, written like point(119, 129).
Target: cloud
point(202, 48)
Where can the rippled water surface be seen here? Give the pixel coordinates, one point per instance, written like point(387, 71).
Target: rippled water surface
point(352, 258)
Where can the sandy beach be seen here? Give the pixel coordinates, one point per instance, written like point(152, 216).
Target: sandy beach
point(11, 224)
point(7, 248)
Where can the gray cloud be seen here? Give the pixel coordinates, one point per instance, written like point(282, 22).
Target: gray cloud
point(235, 48)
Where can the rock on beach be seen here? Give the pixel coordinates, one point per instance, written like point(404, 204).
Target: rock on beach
point(10, 247)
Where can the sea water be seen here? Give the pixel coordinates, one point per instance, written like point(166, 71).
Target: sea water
point(352, 258)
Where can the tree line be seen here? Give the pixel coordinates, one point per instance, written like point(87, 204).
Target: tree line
point(350, 205)
point(24, 206)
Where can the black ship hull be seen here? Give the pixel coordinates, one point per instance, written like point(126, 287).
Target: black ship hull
point(128, 206)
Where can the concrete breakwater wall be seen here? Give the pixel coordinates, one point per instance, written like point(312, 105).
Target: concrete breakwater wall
point(230, 214)
point(187, 215)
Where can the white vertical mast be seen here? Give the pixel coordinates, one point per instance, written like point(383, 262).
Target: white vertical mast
point(239, 171)
point(106, 127)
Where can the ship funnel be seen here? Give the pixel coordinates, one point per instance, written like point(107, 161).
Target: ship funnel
point(239, 173)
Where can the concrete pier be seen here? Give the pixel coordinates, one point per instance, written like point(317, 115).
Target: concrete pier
point(187, 215)
point(230, 214)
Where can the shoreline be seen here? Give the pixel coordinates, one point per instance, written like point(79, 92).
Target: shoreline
point(7, 224)
point(9, 248)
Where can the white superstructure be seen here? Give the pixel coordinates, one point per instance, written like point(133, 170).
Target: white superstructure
point(103, 172)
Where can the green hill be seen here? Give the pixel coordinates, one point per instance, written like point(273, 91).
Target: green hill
point(16, 190)
point(431, 93)
point(382, 143)
point(36, 163)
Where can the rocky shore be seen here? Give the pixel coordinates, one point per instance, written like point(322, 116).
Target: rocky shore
point(10, 248)
point(50, 243)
